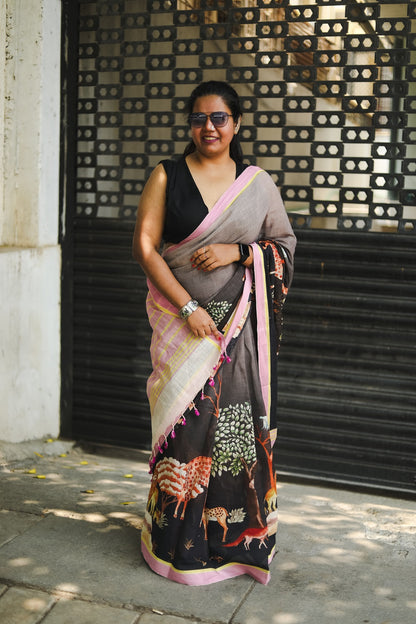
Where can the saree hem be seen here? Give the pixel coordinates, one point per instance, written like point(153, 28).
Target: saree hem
point(201, 576)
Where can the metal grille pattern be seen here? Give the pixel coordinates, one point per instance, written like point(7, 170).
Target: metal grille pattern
point(328, 92)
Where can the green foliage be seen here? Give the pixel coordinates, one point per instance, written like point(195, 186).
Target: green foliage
point(234, 439)
point(217, 310)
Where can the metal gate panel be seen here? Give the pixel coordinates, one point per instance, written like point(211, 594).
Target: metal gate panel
point(328, 93)
point(347, 366)
point(111, 336)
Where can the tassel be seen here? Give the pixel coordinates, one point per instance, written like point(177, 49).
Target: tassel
point(152, 462)
point(173, 434)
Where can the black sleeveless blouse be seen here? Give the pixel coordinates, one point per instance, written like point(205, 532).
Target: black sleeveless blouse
point(185, 208)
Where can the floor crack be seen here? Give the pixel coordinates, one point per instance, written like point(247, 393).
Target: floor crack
point(243, 599)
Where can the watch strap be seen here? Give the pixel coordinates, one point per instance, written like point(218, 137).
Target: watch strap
point(244, 252)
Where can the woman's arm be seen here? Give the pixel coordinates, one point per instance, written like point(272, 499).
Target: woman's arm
point(147, 239)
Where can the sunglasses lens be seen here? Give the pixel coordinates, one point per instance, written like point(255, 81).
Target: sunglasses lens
point(219, 119)
point(197, 120)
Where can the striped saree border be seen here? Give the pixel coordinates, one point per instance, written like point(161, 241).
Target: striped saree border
point(205, 576)
point(180, 368)
point(263, 326)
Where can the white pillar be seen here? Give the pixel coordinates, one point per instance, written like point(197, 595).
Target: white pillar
point(29, 212)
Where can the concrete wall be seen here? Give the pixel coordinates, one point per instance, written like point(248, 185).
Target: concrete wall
point(30, 263)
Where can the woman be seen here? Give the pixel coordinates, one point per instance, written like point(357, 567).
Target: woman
point(214, 304)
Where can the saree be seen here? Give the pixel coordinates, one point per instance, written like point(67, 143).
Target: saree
point(212, 507)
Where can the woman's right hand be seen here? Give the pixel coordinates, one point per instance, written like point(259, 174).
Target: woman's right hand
point(210, 257)
point(202, 325)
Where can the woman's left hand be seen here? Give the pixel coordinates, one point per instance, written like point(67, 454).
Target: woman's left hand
point(211, 257)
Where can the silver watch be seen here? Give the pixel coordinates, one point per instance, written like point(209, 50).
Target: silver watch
point(188, 308)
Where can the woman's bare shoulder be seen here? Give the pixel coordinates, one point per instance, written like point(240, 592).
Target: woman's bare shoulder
point(158, 174)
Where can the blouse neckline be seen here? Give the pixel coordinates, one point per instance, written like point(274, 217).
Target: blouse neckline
point(237, 173)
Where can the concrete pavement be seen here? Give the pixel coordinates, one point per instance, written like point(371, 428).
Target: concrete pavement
point(69, 551)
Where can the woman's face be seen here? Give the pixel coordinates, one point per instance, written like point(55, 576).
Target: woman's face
point(211, 140)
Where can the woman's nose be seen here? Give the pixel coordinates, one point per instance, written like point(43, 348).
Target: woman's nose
point(209, 124)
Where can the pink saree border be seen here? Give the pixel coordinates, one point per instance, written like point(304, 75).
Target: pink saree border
point(263, 329)
point(230, 195)
point(202, 577)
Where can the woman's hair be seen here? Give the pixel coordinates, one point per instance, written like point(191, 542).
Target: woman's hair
point(230, 98)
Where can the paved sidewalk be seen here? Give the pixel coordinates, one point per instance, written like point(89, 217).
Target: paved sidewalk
point(69, 552)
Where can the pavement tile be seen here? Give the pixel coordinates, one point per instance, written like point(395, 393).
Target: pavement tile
point(24, 606)
point(329, 570)
point(307, 591)
point(76, 611)
point(13, 523)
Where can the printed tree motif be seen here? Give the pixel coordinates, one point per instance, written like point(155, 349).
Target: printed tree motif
point(217, 310)
point(236, 515)
point(252, 501)
point(234, 440)
point(215, 389)
point(270, 499)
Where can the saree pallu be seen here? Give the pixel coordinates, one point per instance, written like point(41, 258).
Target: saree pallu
point(212, 508)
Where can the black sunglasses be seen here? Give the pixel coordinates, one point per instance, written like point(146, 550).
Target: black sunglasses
point(198, 120)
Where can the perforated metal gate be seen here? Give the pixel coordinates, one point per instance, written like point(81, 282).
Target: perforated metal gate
point(329, 99)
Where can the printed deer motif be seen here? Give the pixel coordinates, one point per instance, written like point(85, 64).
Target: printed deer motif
point(181, 481)
point(218, 514)
point(270, 499)
point(248, 536)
